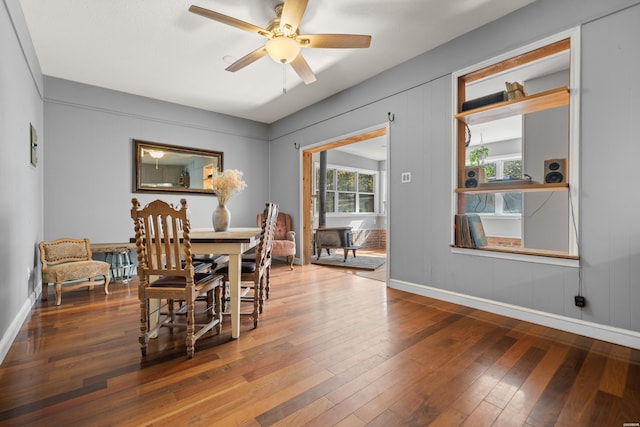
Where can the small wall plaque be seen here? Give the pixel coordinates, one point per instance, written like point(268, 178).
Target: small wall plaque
point(33, 146)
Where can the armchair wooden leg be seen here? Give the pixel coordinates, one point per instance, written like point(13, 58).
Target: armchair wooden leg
point(107, 278)
point(58, 288)
point(291, 262)
point(45, 291)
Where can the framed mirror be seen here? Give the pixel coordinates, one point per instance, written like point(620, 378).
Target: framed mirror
point(171, 169)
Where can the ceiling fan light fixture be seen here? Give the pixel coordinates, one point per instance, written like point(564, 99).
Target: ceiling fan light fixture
point(283, 49)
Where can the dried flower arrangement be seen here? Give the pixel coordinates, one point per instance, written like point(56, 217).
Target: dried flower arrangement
point(227, 183)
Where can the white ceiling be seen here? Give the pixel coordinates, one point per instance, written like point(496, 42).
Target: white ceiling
point(157, 49)
point(374, 148)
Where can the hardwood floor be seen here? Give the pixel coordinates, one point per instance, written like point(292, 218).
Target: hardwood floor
point(332, 349)
point(379, 273)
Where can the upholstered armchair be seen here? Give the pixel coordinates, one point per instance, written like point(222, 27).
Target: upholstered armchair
point(284, 243)
point(69, 262)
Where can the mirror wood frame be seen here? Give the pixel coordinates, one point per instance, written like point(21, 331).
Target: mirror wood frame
point(185, 159)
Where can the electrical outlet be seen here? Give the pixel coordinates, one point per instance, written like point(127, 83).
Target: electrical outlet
point(405, 177)
point(580, 301)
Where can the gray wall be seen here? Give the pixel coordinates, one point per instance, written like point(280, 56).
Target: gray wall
point(610, 238)
point(340, 158)
point(86, 164)
point(546, 136)
point(20, 183)
point(88, 159)
point(419, 93)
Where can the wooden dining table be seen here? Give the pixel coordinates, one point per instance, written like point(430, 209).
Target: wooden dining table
point(233, 243)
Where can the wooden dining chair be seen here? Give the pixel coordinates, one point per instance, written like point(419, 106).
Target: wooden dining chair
point(166, 272)
point(270, 227)
point(255, 274)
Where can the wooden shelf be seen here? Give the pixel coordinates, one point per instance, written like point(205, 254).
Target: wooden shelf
point(526, 188)
point(529, 104)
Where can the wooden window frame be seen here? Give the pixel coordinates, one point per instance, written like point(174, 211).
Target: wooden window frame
point(561, 96)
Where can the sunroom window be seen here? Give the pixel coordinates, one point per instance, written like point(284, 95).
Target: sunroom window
point(348, 191)
point(498, 203)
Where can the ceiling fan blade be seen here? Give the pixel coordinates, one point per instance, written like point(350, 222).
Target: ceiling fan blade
point(292, 12)
point(230, 21)
point(247, 59)
point(347, 41)
point(303, 70)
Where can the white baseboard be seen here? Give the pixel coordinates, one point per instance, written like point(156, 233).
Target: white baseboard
point(12, 331)
point(611, 334)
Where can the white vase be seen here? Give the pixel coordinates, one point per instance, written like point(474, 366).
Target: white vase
point(221, 218)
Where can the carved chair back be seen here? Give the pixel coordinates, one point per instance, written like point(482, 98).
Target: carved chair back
point(163, 239)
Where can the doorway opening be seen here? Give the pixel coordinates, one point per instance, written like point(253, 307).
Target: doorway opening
point(308, 176)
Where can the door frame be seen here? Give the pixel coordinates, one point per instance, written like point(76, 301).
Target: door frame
point(306, 173)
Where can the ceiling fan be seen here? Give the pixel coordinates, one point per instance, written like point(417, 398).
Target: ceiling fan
point(284, 41)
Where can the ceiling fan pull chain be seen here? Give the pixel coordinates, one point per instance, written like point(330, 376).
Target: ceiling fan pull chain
point(284, 79)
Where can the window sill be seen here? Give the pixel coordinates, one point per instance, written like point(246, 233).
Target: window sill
point(538, 256)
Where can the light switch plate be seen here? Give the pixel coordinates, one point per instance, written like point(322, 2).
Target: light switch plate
point(405, 177)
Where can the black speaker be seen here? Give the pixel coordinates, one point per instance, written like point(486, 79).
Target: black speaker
point(473, 176)
point(555, 171)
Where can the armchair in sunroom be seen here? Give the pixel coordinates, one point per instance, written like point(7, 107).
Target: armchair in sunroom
point(284, 239)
